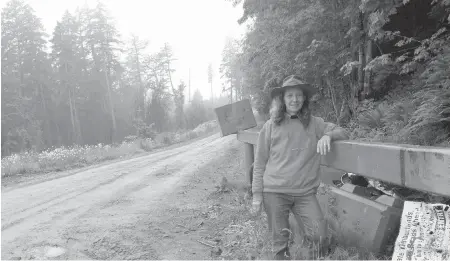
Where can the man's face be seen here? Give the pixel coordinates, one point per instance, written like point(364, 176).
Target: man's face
point(293, 98)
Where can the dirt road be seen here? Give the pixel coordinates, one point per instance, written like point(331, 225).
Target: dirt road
point(150, 207)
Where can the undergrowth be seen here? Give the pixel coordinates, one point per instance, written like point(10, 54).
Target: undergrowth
point(417, 117)
point(59, 159)
point(247, 238)
point(422, 118)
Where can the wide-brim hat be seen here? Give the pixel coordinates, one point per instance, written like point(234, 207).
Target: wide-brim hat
point(294, 81)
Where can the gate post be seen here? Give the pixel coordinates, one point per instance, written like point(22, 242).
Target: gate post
point(248, 161)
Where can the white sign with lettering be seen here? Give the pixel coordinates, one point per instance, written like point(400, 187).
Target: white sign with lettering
point(424, 232)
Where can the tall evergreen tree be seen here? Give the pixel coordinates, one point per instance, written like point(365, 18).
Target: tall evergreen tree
point(25, 80)
point(66, 54)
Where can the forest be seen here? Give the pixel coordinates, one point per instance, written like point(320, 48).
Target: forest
point(382, 67)
point(85, 84)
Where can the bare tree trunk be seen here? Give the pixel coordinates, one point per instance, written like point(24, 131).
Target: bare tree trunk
point(78, 125)
point(231, 94)
point(58, 134)
point(241, 93)
point(332, 92)
point(48, 133)
point(346, 112)
point(141, 87)
point(72, 117)
point(111, 107)
point(362, 58)
point(176, 95)
point(353, 87)
point(212, 95)
point(189, 85)
point(368, 76)
point(76, 121)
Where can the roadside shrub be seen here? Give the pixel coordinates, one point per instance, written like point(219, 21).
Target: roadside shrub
point(191, 135)
point(146, 144)
point(62, 158)
point(144, 131)
point(20, 163)
point(130, 138)
point(167, 140)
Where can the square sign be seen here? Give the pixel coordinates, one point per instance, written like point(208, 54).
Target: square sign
point(234, 117)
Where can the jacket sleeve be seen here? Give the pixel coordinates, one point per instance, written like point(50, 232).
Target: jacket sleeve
point(261, 159)
point(327, 128)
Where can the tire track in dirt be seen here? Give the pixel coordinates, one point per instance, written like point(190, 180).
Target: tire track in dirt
point(58, 200)
point(178, 223)
point(86, 204)
point(165, 178)
point(54, 202)
point(157, 164)
point(141, 163)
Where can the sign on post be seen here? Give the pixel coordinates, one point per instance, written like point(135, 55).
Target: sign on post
point(234, 117)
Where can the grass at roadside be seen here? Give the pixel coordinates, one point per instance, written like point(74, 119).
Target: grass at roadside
point(62, 158)
point(246, 237)
point(243, 236)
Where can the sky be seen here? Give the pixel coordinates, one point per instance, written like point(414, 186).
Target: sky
point(196, 30)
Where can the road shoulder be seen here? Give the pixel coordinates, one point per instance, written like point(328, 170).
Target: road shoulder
point(27, 179)
point(208, 218)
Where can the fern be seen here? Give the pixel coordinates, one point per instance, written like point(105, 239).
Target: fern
point(374, 118)
point(430, 123)
point(399, 113)
point(438, 70)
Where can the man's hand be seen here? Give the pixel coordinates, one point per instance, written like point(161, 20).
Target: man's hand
point(324, 145)
point(256, 207)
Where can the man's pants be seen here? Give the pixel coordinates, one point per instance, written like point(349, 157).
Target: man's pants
point(308, 214)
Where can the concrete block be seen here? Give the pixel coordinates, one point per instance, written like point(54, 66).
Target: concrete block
point(357, 221)
point(327, 175)
point(390, 201)
point(357, 190)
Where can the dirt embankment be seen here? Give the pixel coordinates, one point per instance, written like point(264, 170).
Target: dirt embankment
point(161, 206)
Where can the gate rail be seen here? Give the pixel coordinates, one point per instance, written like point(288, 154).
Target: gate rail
point(418, 167)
